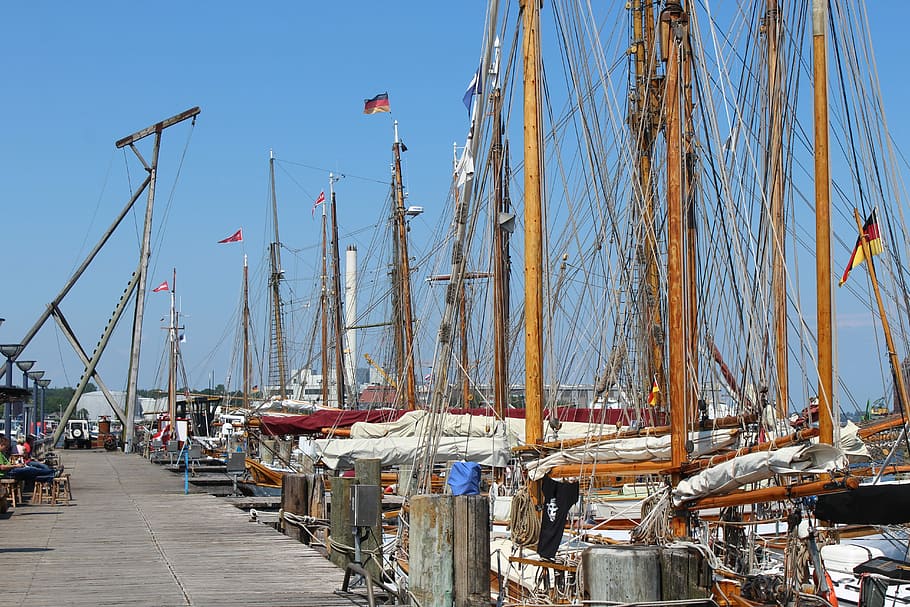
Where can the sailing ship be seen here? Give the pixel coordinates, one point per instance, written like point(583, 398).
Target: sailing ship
point(689, 279)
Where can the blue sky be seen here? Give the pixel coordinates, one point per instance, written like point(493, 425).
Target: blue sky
point(290, 77)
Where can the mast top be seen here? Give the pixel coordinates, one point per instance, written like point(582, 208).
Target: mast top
point(397, 141)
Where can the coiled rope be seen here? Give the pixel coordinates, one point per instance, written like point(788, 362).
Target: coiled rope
point(525, 522)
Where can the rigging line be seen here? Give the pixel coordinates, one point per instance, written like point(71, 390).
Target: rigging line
point(170, 199)
point(336, 172)
point(105, 181)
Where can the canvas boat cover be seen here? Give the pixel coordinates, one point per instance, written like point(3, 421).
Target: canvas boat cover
point(637, 449)
point(755, 467)
point(392, 451)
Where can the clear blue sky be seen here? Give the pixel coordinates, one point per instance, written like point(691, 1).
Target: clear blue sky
point(287, 76)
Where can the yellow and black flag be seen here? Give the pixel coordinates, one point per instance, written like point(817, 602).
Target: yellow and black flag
point(873, 236)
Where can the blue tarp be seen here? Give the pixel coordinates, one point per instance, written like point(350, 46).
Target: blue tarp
point(464, 478)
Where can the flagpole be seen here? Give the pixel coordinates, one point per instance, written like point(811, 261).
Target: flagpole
point(889, 341)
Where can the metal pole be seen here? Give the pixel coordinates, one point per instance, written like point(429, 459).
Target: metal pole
point(8, 408)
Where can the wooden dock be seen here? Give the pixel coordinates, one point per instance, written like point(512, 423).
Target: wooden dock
point(132, 537)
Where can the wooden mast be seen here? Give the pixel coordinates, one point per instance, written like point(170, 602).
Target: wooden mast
point(405, 280)
point(533, 224)
point(645, 127)
point(336, 287)
point(172, 361)
point(246, 335)
point(690, 303)
point(500, 267)
point(324, 312)
point(823, 224)
point(676, 287)
point(275, 282)
point(774, 179)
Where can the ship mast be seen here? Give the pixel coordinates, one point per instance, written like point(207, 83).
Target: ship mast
point(823, 224)
point(645, 127)
point(672, 18)
point(774, 176)
point(246, 335)
point(533, 224)
point(404, 277)
point(172, 361)
point(501, 217)
point(274, 282)
point(336, 282)
point(324, 309)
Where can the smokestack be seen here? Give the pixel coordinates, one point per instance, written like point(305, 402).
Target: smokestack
point(350, 316)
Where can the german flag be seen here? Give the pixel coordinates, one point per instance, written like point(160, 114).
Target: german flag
point(379, 103)
point(654, 396)
point(873, 236)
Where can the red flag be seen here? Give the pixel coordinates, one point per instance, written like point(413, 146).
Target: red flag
point(162, 287)
point(235, 237)
point(319, 200)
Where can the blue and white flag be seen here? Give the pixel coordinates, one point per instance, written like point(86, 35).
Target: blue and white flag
point(473, 89)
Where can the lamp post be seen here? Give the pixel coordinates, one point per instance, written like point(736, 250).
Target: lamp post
point(10, 351)
point(25, 366)
point(33, 408)
point(43, 384)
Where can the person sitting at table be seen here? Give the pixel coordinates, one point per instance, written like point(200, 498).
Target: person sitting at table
point(22, 471)
point(23, 448)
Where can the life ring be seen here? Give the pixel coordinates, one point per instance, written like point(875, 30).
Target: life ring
point(77, 432)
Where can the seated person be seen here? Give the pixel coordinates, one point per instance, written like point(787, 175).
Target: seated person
point(23, 448)
point(22, 472)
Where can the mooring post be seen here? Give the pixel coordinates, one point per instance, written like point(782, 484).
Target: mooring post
point(295, 498)
point(472, 551)
point(430, 540)
point(369, 472)
point(342, 539)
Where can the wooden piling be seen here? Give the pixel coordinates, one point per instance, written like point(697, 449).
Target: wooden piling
point(471, 545)
point(295, 498)
point(431, 536)
point(342, 539)
point(369, 472)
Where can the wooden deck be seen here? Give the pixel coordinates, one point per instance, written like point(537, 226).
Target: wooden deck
point(131, 537)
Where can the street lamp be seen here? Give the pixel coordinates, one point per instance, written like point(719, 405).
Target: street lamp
point(43, 384)
point(25, 366)
point(10, 351)
point(32, 410)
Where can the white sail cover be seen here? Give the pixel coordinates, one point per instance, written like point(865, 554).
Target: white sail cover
point(341, 453)
point(414, 423)
point(638, 449)
point(754, 467)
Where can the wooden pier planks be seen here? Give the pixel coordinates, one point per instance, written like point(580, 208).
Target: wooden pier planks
point(132, 537)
